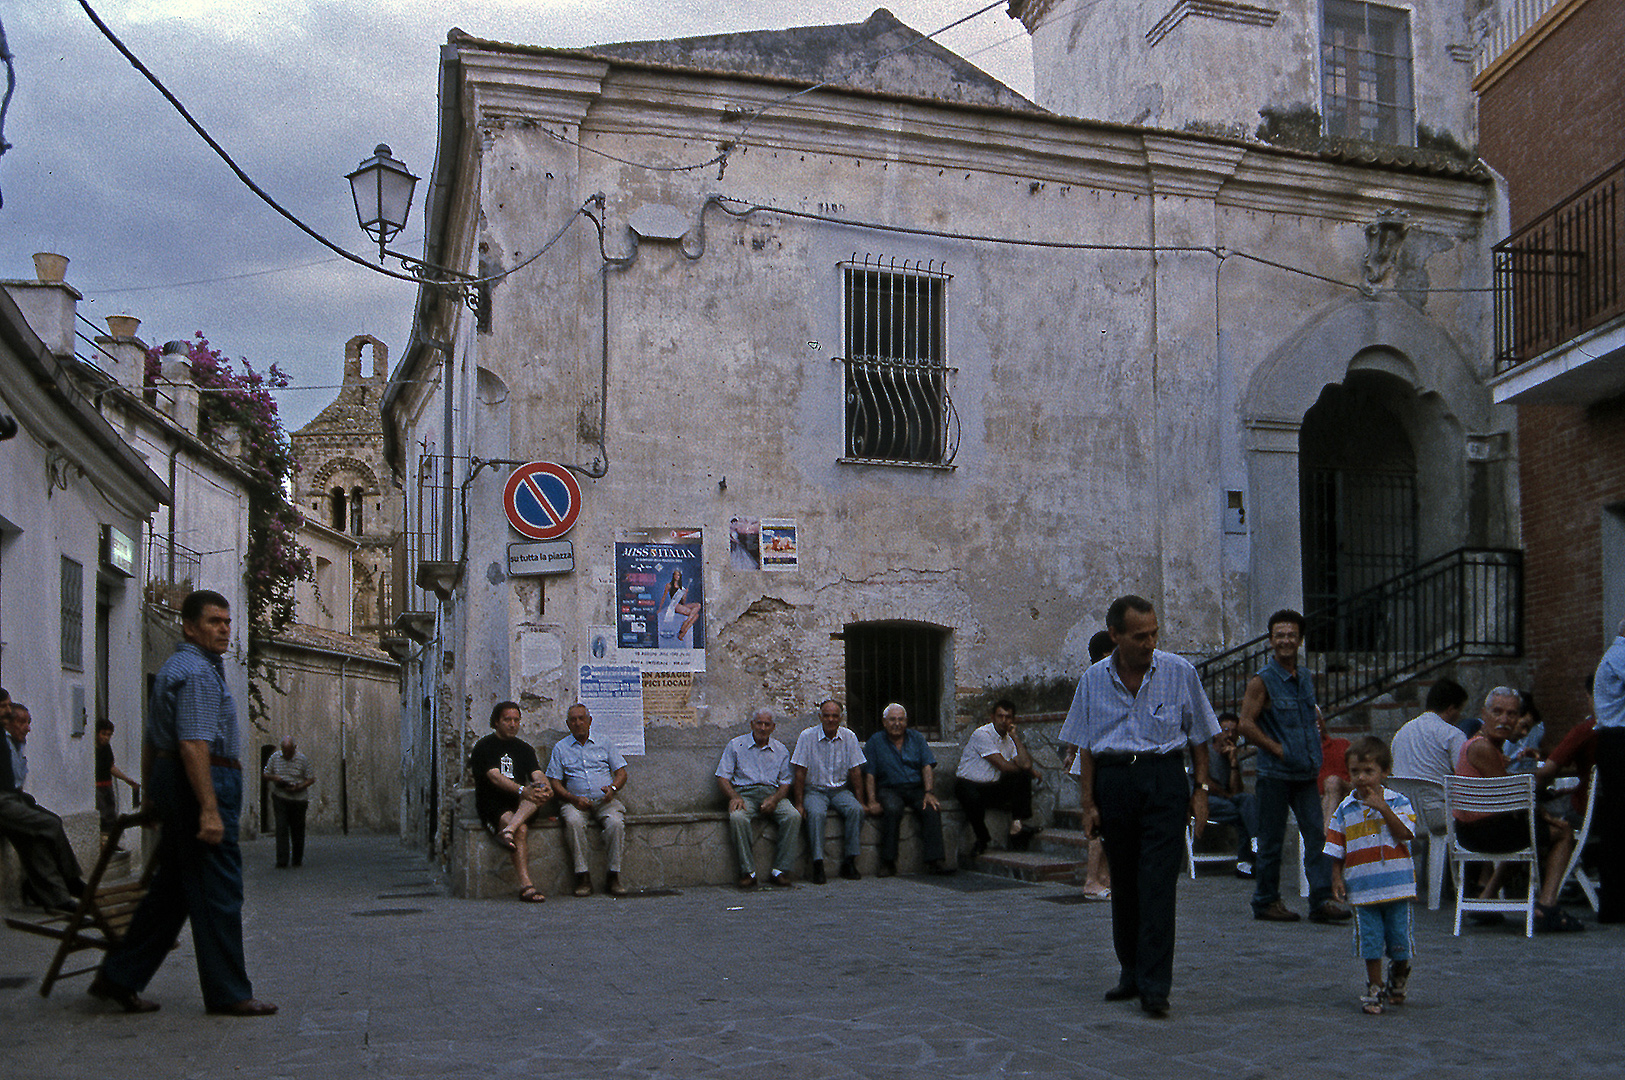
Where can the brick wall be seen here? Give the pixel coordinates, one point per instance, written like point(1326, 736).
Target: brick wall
point(1556, 119)
point(1571, 466)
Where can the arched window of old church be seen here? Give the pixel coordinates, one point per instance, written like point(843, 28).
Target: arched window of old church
point(338, 504)
point(356, 496)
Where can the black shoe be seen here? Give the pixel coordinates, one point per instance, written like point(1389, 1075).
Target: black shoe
point(1122, 992)
point(818, 877)
point(936, 867)
point(1156, 1008)
point(128, 1000)
point(977, 848)
point(887, 869)
point(849, 870)
point(780, 881)
point(1330, 912)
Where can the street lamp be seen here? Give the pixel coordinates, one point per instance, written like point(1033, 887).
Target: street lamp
point(382, 188)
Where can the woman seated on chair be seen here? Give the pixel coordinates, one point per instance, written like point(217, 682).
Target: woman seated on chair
point(1494, 834)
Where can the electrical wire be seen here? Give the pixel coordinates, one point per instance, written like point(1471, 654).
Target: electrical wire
point(265, 197)
point(211, 281)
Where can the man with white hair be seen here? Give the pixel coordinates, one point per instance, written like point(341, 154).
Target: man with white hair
point(755, 777)
point(290, 776)
point(1609, 690)
point(827, 764)
point(899, 774)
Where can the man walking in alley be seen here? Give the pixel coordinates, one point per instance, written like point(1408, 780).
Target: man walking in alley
point(290, 775)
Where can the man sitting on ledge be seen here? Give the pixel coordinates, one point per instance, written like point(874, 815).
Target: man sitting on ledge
point(899, 773)
point(50, 870)
point(754, 775)
point(996, 773)
point(587, 774)
point(508, 790)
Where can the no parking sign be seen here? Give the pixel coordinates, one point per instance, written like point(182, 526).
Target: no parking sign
point(542, 500)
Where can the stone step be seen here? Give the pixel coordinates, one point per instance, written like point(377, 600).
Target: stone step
point(1068, 817)
point(1029, 866)
point(1071, 840)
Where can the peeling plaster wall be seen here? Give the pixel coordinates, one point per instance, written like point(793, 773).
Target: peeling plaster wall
point(1106, 398)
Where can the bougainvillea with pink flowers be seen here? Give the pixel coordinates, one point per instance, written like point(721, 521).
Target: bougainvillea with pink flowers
point(241, 400)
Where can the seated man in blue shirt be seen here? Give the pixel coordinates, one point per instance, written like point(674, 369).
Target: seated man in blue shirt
point(900, 773)
point(754, 776)
point(587, 774)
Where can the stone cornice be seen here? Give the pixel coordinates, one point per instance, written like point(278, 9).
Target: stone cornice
point(1223, 10)
point(1187, 167)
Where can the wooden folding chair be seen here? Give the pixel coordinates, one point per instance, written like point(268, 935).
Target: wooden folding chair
point(103, 914)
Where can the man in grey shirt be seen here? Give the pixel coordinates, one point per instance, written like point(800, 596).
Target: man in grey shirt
point(1427, 747)
point(754, 775)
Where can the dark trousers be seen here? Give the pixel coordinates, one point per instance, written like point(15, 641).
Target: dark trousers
point(1012, 792)
point(1610, 817)
point(893, 802)
point(1143, 810)
point(48, 861)
point(1275, 797)
point(289, 815)
point(1240, 812)
point(194, 880)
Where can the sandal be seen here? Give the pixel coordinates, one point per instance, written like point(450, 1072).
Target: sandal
point(505, 838)
point(1103, 894)
point(1554, 920)
point(530, 896)
point(1399, 973)
point(1371, 1000)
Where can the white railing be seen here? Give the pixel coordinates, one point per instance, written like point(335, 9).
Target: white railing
point(1517, 16)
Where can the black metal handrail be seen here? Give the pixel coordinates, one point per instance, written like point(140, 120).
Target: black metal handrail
point(1559, 275)
point(1467, 603)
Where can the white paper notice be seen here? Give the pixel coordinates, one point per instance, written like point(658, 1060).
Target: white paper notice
point(613, 694)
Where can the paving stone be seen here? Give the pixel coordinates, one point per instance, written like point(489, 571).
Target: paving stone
point(892, 979)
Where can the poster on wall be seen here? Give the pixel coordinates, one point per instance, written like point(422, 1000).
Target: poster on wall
point(613, 695)
point(779, 544)
point(660, 599)
point(744, 543)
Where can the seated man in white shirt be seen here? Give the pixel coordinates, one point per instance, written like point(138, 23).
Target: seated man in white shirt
point(587, 774)
point(1427, 747)
point(828, 771)
point(996, 772)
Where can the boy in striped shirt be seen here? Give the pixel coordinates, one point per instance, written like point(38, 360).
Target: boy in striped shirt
point(1368, 840)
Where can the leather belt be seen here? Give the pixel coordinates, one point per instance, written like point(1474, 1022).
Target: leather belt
point(1144, 757)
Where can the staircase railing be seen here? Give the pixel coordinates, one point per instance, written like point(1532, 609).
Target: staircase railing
point(1465, 604)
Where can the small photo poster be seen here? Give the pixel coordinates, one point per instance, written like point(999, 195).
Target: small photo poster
point(778, 544)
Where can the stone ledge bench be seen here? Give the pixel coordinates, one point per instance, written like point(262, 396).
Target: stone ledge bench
point(665, 850)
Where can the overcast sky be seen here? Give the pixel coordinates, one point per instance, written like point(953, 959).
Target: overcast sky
point(104, 171)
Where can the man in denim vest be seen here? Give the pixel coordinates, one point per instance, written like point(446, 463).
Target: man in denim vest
point(1280, 717)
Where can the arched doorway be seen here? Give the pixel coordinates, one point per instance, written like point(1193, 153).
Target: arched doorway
point(1357, 502)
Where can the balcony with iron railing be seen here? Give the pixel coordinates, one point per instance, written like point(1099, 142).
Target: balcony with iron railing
point(1560, 300)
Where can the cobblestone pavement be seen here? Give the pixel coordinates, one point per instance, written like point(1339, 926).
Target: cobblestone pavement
point(380, 974)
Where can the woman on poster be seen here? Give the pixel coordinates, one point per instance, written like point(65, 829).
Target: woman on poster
point(677, 614)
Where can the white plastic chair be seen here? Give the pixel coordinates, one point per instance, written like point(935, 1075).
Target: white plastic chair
point(1192, 856)
point(1492, 795)
point(1435, 846)
point(1574, 869)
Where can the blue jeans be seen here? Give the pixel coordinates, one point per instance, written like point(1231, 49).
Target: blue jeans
point(1240, 812)
point(195, 880)
point(818, 802)
point(1275, 797)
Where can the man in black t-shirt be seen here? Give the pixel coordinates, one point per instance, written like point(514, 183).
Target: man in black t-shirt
point(508, 790)
point(107, 771)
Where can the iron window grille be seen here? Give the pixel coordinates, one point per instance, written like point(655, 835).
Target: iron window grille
point(894, 661)
point(898, 410)
point(1365, 72)
point(73, 614)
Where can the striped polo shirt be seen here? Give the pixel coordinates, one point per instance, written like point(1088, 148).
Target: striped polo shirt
point(1376, 867)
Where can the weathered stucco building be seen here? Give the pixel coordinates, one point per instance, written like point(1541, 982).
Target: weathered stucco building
point(933, 372)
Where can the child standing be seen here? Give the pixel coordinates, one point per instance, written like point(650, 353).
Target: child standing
point(1368, 840)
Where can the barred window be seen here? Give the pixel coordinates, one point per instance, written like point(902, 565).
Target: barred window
point(73, 614)
point(897, 406)
point(1365, 72)
point(894, 661)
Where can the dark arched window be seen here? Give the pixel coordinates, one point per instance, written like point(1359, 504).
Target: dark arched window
point(339, 502)
point(356, 495)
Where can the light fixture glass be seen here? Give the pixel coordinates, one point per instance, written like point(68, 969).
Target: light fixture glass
point(382, 188)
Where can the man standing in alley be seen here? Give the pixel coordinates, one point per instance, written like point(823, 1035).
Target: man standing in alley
point(1133, 715)
point(1609, 690)
point(194, 781)
point(1280, 717)
point(290, 775)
